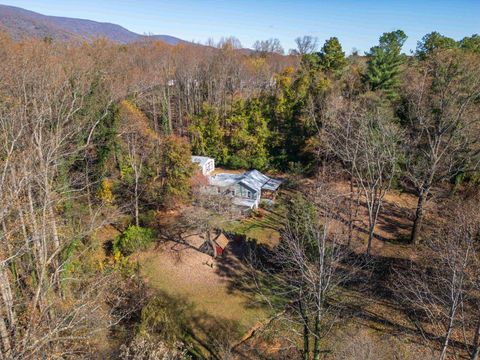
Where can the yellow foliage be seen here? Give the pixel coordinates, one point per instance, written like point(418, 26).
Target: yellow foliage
point(284, 79)
point(288, 71)
point(257, 64)
point(105, 192)
point(135, 118)
point(117, 257)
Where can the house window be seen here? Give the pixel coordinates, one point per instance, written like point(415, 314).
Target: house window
point(249, 194)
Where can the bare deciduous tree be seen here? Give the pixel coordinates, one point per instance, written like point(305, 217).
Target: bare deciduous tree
point(367, 142)
point(444, 122)
point(270, 46)
point(438, 287)
point(306, 44)
point(45, 307)
point(304, 273)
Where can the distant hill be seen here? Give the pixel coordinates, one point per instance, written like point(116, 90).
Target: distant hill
point(21, 23)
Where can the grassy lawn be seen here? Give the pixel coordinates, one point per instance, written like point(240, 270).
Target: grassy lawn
point(261, 227)
point(194, 277)
point(209, 286)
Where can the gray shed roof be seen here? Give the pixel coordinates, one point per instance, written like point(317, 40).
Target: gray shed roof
point(272, 184)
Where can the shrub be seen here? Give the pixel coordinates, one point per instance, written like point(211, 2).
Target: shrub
point(132, 239)
point(164, 318)
point(150, 219)
point(105, 193)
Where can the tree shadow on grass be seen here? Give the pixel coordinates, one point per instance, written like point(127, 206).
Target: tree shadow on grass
point(265, 220)
point(176, 318)
point(373, 283)
point(378, 285)
point(389, 220)
point(244, 258)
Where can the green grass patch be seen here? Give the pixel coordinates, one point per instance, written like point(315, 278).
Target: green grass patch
point(263, 226)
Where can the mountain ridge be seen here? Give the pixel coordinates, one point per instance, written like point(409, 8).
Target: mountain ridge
point(21, 23)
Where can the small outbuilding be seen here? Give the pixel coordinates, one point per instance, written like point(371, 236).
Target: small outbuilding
point(206, 164)
point(221, 243)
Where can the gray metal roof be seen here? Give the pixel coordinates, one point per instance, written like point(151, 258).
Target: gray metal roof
point(254, 183)
point(257, 180)
point(272, 184)
point(224, 179)
point(244, 202)
point(253, 180)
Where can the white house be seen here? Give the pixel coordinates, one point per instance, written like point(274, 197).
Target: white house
point(206, 164)
point(247, 189)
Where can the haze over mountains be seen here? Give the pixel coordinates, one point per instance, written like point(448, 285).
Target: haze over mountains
point(21, 23)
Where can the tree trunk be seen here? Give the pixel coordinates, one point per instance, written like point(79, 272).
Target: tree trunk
point(39, 249)
point(212, 244)
point(87, 187)
point(137, 221)
point(306, 344)
point(7, 297)
point(6, 350)
point(306, 334)
point(476, 343)
point(316, 345)
point(154, 113)
point(56, 241)
point(373, 213)
point(372, 223)
point(350, 214)
point(371, 233)
point(446, 341)
point(417, 222)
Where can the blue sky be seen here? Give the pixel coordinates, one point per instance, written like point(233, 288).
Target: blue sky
point(357, 23)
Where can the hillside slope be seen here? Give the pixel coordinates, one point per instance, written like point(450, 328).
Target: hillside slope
point(21, 23)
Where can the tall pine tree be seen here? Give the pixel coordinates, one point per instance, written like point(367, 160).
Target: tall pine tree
point(332, 57)
point(471, 43)
point(432, 41)
point(384, 63)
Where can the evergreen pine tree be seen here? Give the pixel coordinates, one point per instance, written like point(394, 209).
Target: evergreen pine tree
point(384, 63)
point(207, 135)
point(471, 43)
point(433, 41)
point(332, 57)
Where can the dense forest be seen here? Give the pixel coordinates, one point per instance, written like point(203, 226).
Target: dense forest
point(96, 135)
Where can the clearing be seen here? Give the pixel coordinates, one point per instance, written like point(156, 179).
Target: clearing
point(197, 278)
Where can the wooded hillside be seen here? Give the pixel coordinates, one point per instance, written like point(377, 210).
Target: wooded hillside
point(95, 166)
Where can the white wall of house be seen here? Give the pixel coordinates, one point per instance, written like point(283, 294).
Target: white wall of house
point(206, 164)
point(208, 167)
